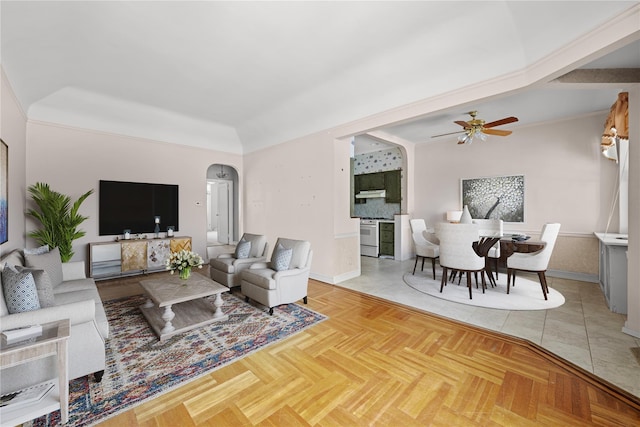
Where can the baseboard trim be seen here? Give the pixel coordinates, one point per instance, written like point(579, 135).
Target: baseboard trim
point(582, 277)
point(631, 332)
point(334, 280)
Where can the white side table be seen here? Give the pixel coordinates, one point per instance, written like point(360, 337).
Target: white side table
point(53, 341)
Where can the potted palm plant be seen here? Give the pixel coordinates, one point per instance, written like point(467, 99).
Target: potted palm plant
point(59, 218)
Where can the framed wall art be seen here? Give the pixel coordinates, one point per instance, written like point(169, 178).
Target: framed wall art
point(4, 192)
point(500, 197)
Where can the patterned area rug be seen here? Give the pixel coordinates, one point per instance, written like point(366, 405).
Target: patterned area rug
point(139, 367)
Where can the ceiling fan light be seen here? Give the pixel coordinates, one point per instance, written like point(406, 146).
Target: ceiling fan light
point(482, 136)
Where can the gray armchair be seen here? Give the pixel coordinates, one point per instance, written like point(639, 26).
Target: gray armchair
point(226, 268)
point(284, 279)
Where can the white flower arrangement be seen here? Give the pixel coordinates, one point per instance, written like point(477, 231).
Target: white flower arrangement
point(183, 260)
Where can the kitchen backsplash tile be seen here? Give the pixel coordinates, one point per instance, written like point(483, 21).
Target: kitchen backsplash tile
point(376, 208)
point(378, 161)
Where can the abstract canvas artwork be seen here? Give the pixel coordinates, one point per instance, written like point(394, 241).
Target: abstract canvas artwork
point(4, 190)
point(500, 197)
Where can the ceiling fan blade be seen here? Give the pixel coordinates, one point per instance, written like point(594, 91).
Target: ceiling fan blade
point(501, 122)
point(463, 124)
point(496, 132)
point(445, 134)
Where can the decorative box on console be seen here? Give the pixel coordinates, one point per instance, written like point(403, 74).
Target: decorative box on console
point(130, 257)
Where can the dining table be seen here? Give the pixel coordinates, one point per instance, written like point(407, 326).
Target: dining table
point(509, 244)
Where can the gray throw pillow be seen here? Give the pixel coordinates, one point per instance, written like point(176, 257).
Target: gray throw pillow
point(20, 291)
point(281, 258)
point(49, 262)
point(43, 285)
point(243, 249)
point(36, 251)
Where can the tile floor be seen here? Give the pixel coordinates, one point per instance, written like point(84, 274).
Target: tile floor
point(583, 330)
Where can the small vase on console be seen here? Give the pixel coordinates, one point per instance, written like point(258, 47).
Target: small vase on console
point(466, 216)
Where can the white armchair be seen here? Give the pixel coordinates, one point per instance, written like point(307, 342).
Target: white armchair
point(536, 262)
point(284, 279)
point(457, 253)
point(226, 268)
point(425, 248)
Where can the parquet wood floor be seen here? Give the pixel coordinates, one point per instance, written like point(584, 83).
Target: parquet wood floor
point(374, 362)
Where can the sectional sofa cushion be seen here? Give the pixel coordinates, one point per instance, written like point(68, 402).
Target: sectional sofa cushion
point(49, 262)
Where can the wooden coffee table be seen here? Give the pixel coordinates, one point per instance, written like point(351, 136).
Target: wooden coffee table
point(175, 305)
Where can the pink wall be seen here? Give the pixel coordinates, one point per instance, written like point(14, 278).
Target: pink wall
point(566, 178)
point(73, 161)
point(13, 132)
point(300, 190)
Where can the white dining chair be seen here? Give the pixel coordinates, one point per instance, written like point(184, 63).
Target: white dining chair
point(489, 228)
point(425, 248)
point(457, 253)
point(536, 262)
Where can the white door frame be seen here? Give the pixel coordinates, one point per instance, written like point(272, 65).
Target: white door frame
point(224, 207)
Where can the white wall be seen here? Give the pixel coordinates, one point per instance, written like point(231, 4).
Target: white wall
point(632, 325)
point(566, 181)
point(566, 178)
point(73, 161)
point(13, 130)
point(300, 190)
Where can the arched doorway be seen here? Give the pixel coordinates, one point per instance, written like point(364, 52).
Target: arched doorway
point(222, 208)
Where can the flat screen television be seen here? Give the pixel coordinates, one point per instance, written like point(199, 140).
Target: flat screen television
point(134, 206)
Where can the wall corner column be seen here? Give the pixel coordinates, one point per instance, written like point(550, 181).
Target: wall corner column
point(632, 325)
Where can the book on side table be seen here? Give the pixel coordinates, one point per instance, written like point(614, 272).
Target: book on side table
point(12, 336)
point(27, 403)
point(25, 396)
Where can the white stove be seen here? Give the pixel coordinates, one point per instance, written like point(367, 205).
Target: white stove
point(369, 237)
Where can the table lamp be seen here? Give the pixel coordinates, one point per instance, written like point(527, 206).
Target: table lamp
point(454, 216)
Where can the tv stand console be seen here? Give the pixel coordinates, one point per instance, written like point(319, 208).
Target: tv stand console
point(135, 256)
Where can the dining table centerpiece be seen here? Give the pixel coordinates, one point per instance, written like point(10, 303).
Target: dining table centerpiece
point(182, 262)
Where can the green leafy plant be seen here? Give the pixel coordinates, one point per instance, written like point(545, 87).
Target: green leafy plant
point(58, 217)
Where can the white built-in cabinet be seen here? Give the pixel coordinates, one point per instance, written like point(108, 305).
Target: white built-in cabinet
point(130, 257)
point(613, 270)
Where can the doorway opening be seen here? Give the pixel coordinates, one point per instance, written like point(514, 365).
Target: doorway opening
point(222, 208)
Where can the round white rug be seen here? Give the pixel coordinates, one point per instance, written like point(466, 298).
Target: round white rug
point(525, 295)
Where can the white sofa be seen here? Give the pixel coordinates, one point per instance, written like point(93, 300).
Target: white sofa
point(76, 299)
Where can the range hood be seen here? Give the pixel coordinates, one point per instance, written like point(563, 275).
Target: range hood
point(370, 194)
